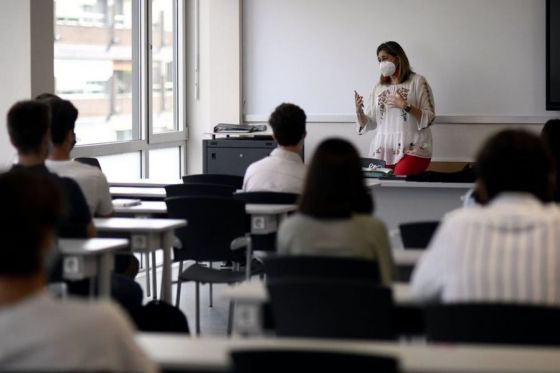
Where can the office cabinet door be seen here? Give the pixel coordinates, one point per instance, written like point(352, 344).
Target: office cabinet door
point(232, 161)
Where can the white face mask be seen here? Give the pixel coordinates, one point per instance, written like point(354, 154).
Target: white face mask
point(387, 68)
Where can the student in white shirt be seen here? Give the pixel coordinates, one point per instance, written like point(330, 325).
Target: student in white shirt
point(400, 111)
point(507, 250)
point(40, 333)
point(91, 180)
point(283, 170)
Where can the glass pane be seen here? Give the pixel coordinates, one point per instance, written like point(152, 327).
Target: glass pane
point(93, 66)
point(124, 166)
point(165, 164)
point(163, 88)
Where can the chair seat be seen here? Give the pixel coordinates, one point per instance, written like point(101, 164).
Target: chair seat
point(200, 273)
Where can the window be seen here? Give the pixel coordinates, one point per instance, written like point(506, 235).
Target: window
point(121, 63)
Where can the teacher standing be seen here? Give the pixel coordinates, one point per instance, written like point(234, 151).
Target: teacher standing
point(400, 111)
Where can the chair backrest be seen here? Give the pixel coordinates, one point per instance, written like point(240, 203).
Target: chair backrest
point(271, 198)
point(213, 222)
point(331, 308)
point(417, 235)
point(233, 180)
point(370, 162)
point(199, 189)
point(89, 161)
point(281, 361)
point(286, 267)
point(493, 323)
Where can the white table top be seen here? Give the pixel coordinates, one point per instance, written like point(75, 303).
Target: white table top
point(159, 207)
point(144, 183)
point(137, 192)
point(92, 246)
point(176, 351)
point(255, 291)
point(377, 183)
point(407, 257)
point(137, 225)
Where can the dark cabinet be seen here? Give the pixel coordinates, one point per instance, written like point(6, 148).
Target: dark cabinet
point(232, 156)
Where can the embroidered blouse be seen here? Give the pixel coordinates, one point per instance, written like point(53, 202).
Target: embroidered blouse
point(396, 132)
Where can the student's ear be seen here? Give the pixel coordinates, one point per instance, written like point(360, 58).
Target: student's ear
point(480, 194)
point(47, 242)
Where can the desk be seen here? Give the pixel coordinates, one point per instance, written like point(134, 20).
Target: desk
point(145, 208)
point(148, 235)
point(137, 192)
point(144, 183)
point(212, 354)
point(91, 257)
point(398, 201)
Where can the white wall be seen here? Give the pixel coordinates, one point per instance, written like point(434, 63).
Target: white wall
point(25, 66)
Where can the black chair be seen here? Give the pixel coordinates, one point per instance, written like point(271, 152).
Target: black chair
point(282, 360)
point(321, 267)
point(417, 235)
point(89, 161)
point(331, 308)
point(493, 323)
point(199, 189)
point(213, 224)
point(233, 180)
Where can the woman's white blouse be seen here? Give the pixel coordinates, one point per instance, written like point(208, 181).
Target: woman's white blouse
point(397, 132)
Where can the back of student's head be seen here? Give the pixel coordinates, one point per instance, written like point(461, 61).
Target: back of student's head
point(28, 124)
point(288, 124)
point(63, 120)
point(515, 161)
point(31, 207)
point(334, 186)
point(551, 137)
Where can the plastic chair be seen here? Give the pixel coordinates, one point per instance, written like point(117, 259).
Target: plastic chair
point(331, 308)
point(493, 323)
point(281, 361)
point(89, 161)
point(286, 267)
point(214, 223)
point(199, 189)
point(417, 235)
point(233, 180)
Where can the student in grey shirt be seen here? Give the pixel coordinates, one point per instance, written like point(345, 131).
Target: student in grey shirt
point(334, 217)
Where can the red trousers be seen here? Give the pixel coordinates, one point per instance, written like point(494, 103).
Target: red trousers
point(410, 165)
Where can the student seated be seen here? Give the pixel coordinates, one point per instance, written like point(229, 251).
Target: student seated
point(334, 216)
point(28, 127)
point(551, 137)
point(90, 179)
point(41, 333)
point(283, 170)
point(507, 250)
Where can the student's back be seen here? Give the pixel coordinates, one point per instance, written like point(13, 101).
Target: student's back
point(41, 333)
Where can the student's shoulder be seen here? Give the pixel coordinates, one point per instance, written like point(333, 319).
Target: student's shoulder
point(103, 317)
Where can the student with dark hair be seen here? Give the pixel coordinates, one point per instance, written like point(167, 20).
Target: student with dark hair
point(507, 250)
point(92, 181)
point(28, 128)
point(334, 216)
point(283, 170)
point(551, 137)
point(39, 332)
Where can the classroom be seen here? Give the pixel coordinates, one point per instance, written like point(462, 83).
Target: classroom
point(259, 185)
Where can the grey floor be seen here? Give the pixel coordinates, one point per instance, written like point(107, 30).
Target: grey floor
point(213, 320)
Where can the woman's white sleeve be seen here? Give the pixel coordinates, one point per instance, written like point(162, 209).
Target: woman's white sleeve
point(370, 115)
point(426, 104)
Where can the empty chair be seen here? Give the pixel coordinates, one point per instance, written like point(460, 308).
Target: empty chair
point(331, 308)
point(286, 267)
point(269, 198)
point(493, 323)
point(417, 235)
point(233, 180)
point(213, 223)
point(281, 361)
point(89, 160)
point(199, 189)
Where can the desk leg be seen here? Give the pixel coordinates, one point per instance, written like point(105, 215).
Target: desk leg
point(249, 255)
point(106, 264)
point(167, 243)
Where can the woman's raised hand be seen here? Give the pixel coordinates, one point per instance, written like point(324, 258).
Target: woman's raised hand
point(359, 101)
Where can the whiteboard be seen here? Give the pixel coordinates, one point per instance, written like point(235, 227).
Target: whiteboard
point(482, 58)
